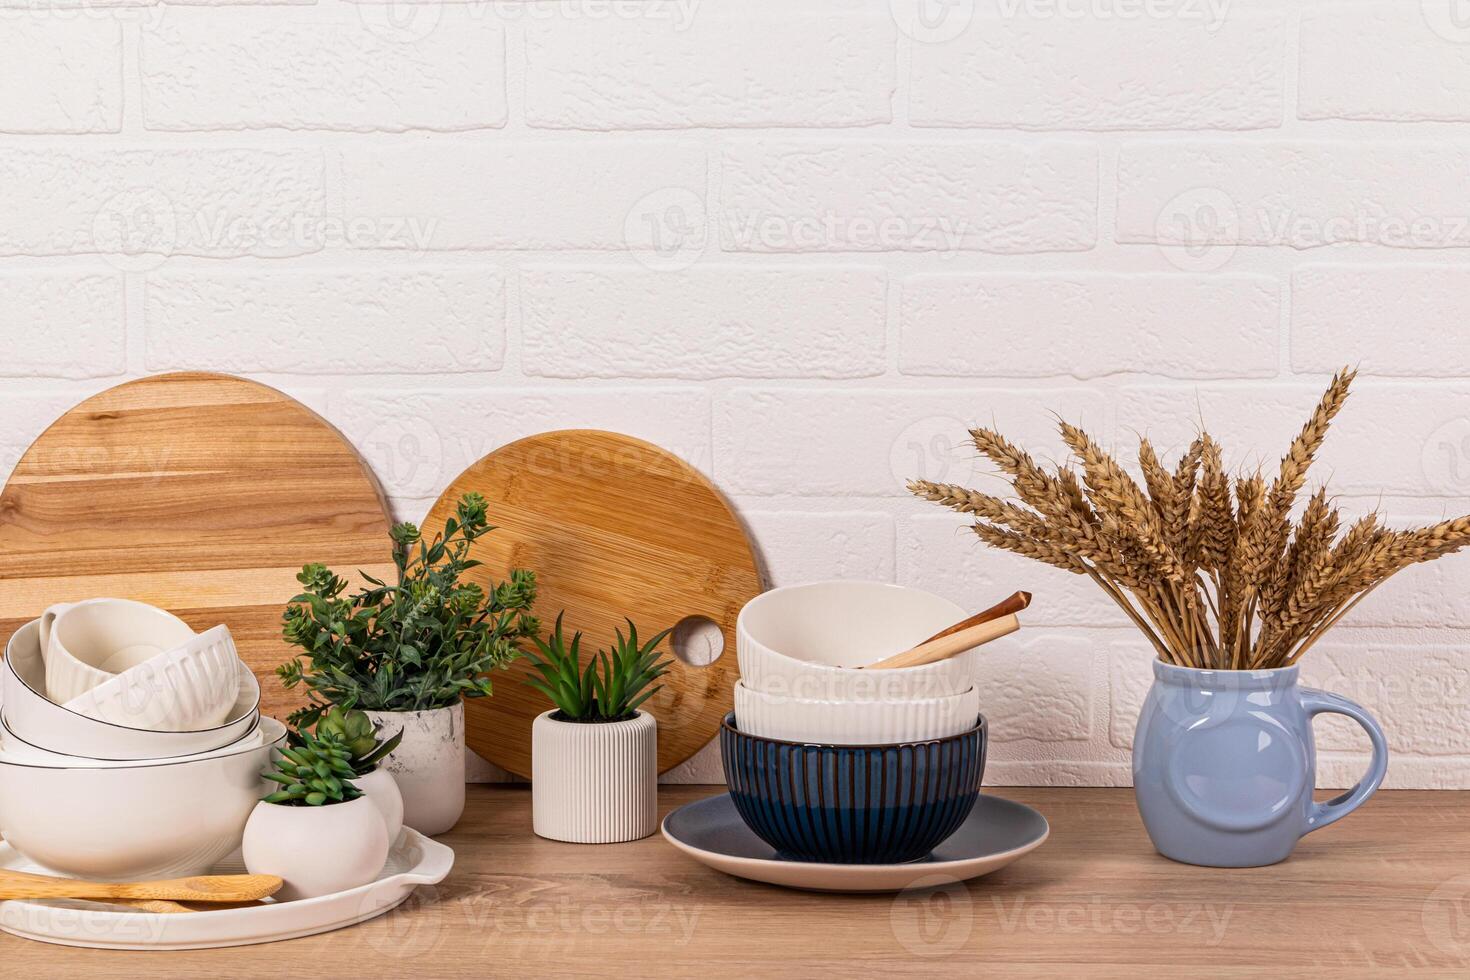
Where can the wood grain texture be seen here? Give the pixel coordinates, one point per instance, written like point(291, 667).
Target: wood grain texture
point(1377, 894)
point(200, 493)
point(200, 888)
point(613, 527)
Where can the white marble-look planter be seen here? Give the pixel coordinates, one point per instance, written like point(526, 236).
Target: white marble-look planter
point(380, 787)
point(428, 765)
point(594, 783)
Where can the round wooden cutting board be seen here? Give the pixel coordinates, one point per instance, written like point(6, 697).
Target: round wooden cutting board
point(613, 527)
point(199, 493)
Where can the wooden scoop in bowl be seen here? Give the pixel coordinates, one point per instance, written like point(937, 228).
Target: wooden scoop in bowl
point(997, 621)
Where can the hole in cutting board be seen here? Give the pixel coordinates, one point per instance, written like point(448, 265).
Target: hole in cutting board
point(697, 640)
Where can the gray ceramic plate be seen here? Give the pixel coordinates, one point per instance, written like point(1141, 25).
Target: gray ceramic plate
point(997, 832)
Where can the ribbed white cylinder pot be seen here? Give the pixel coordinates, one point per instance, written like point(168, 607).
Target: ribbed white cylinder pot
point(428, 765)
point(594, 783)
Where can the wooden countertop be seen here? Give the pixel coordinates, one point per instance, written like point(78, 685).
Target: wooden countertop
point(1385, 890)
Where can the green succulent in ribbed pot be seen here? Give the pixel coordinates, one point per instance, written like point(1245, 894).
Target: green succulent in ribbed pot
point(594, 755)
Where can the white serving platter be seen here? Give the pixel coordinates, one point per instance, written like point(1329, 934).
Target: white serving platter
point(415, 860)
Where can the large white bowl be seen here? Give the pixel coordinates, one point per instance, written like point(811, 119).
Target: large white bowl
point(854, 722)
point(16, 749)
point(88, 643)
point(149, 820)
point(56, 729)
point(188, 688)
point(805, 641)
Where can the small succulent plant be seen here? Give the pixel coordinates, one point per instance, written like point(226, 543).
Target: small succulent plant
point(315, 771)
point(358, 733)
point(612, 685)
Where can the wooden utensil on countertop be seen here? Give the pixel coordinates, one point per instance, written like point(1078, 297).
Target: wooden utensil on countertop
point(202, 888)
point(950, 645)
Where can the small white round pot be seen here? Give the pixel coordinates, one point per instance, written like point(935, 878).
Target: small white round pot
point(594, 783)
point(316, 850)
point(380, 787)
point(428, 765)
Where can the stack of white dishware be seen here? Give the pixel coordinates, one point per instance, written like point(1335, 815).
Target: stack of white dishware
point(807, 655)
point(130, 746)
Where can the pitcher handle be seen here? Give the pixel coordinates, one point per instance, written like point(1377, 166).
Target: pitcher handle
point(1320, 815)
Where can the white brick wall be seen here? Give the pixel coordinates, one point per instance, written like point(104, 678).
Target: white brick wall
point(76, 67)
point(804, 244)
point(319, 68)
point(1185, 72)
point(726, 68)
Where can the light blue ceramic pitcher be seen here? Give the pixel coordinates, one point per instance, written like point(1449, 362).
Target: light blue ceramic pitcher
point(1224, 764)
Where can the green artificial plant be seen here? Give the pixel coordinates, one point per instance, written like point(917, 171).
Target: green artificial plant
point(421, 643)
point(612, 685)
point(357, 732)
point(316, 770)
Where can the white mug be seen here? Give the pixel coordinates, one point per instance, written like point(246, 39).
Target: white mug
point(86, 643)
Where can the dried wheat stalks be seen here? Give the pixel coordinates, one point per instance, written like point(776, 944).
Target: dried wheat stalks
point(1212, 569)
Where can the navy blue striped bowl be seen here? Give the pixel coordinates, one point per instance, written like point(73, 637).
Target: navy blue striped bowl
point(853, 804)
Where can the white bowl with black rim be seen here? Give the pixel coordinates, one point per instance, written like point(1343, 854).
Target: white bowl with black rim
point(41, 722)
point(145, 820)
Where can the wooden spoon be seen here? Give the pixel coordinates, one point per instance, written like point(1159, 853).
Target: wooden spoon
point(1006, 607)
point(945, 647)
point(151, 905)
point(204, 888)
point(931, 650)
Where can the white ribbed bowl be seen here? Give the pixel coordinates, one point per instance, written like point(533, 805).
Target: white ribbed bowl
point(189, 688)
point(594, 783)
point(805, 641)
point(854, 722)
point(87, 643)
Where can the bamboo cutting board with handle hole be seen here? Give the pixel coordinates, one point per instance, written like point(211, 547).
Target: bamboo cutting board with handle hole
point(613, 526)
point(199, 493)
